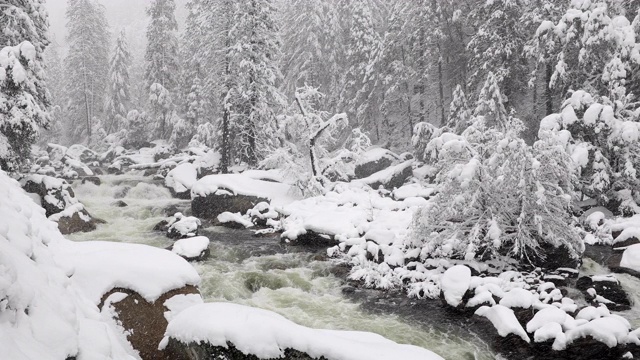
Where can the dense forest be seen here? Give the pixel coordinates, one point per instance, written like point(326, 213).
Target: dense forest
point(428, 144)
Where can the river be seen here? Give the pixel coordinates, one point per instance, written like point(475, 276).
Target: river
point(295, 282)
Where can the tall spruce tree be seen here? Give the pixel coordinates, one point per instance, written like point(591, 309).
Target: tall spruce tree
point(119, 96)
point(24, 98)
point(87, 65)
point(162, 69)
point(254, 52)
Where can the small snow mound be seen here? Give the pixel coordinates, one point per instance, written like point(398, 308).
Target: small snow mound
point(504, 320)
point(631, 258)
point(455, 283)
point(191, 247)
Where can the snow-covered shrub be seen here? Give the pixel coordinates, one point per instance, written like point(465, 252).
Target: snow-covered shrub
point(422, 134)
point(205, 134)
point(497, 195)
point(181, 132)
point(602, 139)
point(137, 132)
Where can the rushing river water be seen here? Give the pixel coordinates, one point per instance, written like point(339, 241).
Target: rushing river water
point(294, 282)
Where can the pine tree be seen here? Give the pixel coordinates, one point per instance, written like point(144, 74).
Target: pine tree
point(497, 45)
point(459, 112)
point(87, 67)
point(254, 50)
point(490, 107)
point(119, 96)
point(312, 38)
point(24, 98)
point(195, 104)
point(56, 84)
point(362, 86)
point(162, 62)
point(162, 47)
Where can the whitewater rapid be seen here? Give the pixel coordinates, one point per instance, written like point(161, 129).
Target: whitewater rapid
point(260, 272)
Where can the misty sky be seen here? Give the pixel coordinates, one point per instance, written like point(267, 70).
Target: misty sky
point(128, 14)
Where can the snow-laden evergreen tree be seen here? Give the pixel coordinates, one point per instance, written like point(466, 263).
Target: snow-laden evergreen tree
point(162, 108)
point(87, 65)
point(197, 61)
point(162, 45)
point(162, 68)
point(119, 99)
point(56, 83)
point(254, 50)
point(195, 104)
point(603, 143)
point(459, 112)
point(22, 111)
point(361, 92)
point(497, 197)
point(497, 45)
point(312, 36)
point(593, 48)
point(490, 105)
point(24, 98)
point(137, 133)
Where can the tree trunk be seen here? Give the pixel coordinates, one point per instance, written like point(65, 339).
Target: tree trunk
point(548, 91)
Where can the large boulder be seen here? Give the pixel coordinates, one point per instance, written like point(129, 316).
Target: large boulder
point(145, 322)
point(82, 153)
point(390, 178)
point(141, 286)
point(56, 152)
point(604, 289)
point(75, 219)
point(180, 180)
point(235, 193)
point(60, 204)
point(374, 160)
point(232, 331)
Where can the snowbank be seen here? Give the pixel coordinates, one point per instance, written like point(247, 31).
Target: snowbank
point(43, 314)
point(266, 335)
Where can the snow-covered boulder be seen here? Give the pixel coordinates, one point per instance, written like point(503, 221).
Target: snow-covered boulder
point(56, 152)
point(231, 331)
point(60, 204)
point(132, 282)
point(604, 289)
point(235, 193)
point(192, 249)
point(373, 160)
point(82, 153)
point(181, 226)
point(77, 166)
point(391, 177)
point(180, 180)
point(454, 284)
point(234, 221)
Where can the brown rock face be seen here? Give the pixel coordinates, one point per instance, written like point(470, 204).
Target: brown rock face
point(73, 224)
point(145, 321)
